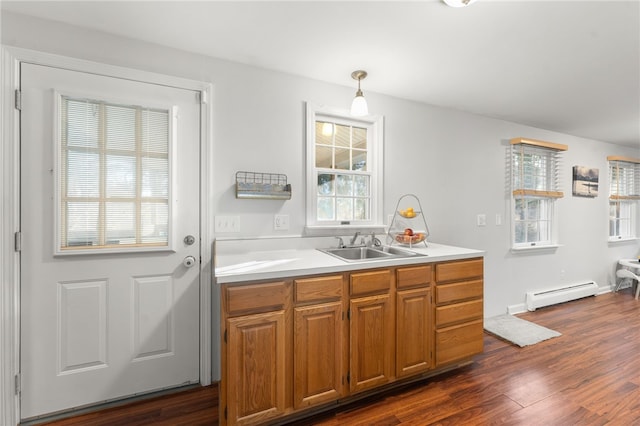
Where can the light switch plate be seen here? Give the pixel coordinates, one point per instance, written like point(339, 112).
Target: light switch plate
point(227, 224)
point(482, 220)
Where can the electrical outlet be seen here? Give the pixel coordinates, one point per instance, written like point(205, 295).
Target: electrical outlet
point(482, 220)
point(281, 222)
point(498, 219)
point(227, 224)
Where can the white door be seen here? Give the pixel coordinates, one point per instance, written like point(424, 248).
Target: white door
point(109, 193)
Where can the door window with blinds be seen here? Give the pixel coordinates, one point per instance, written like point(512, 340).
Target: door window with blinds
point(624, 197)
point(534, 180)
point(113, 176)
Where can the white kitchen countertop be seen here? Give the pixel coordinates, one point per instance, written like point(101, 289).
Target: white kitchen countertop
point(251, 260)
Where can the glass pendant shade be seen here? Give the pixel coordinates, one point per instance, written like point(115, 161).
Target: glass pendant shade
point(359, 105)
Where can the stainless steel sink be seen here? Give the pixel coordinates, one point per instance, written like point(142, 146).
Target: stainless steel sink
point(358, 254)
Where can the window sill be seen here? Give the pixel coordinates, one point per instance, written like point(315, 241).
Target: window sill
point(329, 231)
point(548, 247)
point(622, 240)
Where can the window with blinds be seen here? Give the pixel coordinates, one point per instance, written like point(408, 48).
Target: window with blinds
point(114, 176)
point(535, 167)
point(624, 196)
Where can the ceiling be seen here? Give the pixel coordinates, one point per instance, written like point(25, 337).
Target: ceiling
point(569, 66)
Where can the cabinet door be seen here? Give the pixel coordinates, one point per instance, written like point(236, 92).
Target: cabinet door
point(413, 335)
point(459, 342)
point(256, 367)
point(318, 354)
point(372, 341)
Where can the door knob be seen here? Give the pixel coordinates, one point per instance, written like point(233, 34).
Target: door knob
point(189, 261)
point(189, 239)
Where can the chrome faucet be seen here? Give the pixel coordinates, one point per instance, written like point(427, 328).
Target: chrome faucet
point(353, 240)
point(340, 242)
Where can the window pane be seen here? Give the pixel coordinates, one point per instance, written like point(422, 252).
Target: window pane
point(325, 184)
point(344, 185)
point(120, 127)
point(359, 138)
point(361, 209)
point(325, 209)
point(155, 131)
point(155, 177)
point(344, 208)
point(121, 223)
point(343, 136)
point(80, 126)
point(83, 172)
point(361, 186)
point(359, 161)
point(324, 133)
point(155, 219)
point(343, 159)
point(82, 224)
point(324, 157)
point(121, 176)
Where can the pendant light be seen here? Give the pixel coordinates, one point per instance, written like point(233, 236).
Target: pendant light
point(359, 105)
point(458, 3)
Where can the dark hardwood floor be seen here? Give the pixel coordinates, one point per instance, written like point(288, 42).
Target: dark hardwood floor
point(588, 376)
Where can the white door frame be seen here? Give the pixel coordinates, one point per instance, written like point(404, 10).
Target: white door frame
point(10, 206)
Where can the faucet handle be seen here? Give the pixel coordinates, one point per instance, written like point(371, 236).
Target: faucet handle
point(340, 242)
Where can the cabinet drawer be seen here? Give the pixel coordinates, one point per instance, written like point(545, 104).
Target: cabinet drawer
point(411, 277)
point(459, 270)
point(458, 291)
point(318, 289)
point(370, 282)
point(458, 312)
point(459, 342)
point(255, 297)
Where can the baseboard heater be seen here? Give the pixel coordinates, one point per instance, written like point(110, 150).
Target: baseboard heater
point(539, 299)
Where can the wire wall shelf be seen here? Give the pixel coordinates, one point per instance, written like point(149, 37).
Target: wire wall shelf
point(271, 186)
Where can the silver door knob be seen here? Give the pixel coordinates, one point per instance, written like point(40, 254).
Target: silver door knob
point(189, 239)
point(189, 261)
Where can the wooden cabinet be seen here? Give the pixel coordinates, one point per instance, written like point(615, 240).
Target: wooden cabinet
point(256, 367)
point(318, 341)
point(459, 310)
point(254, 356)
point(414, 346)
point(371, 330)
point(307, 343)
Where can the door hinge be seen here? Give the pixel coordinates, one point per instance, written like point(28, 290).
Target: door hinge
point(17, 384)
point(349, 377)
point(202, 97)
point(349, 314)
point(17, 241)
point(18, 100)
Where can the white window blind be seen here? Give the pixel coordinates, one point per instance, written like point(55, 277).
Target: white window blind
point(114, 177)
point(624, 193)
point(624, 178)
point(535, 183)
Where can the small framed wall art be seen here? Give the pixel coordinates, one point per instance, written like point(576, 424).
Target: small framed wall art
point(585, 181)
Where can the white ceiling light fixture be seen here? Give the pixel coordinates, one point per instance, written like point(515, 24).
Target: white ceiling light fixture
point(458, 3)
point(359, 105)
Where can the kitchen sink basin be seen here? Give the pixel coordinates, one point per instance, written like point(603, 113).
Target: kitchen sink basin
point(357, 254)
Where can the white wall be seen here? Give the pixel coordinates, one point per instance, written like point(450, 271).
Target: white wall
point(259, 126)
